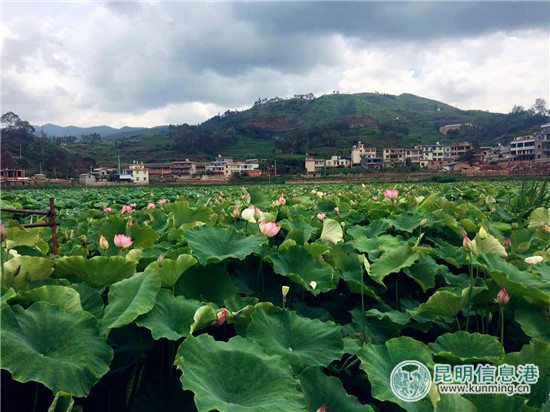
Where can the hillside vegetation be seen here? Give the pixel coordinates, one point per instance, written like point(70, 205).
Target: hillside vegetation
point(288, 128)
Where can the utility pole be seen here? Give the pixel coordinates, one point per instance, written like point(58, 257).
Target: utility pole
point(40, 167)
point(118, 164)
point(19, 152)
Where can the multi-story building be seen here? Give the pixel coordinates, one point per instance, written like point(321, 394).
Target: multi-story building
point(460, 149)
point(445, 129)
point(313, 165)
point(359, 150)
point(522, 148)
point(393, 155)
point(140, 175)
point(159, 169)
point(185, 167)
point(435, 151)
point(542, 144)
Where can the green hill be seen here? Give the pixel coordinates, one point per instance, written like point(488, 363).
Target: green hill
point(290, 128)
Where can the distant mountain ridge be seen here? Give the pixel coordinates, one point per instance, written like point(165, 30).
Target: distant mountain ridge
point(54, 130)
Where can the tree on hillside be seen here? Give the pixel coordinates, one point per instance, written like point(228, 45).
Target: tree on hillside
point(539, 108)
point(14, 126)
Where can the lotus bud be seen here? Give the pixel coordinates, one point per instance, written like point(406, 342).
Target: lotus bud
point(313, 284)
point(542, 223)
point(282, 200)
point(222, 212)
point(222, 314)
point(323, 408)
point(463, 233)
point(467, 244)
point(216, 201)
point(351, 243)
point(3, 232)
point(507, 243)
point(375, 198)
point(423, 221)
point(502, 297)
point(321, 216)
point(494, 209)
point(235, 213)
point(285, 290)
point(103, 243)
point(82, 239)
point(546, 228)
point(482, 233)
point(160, 260)
point(390, 225)
point(343, 224)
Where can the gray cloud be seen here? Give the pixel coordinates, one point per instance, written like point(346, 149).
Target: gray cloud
point(138, 59)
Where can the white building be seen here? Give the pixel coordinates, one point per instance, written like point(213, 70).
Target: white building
point(523, 148)
point(359, 150)
point(140, 175)
point(435, 152)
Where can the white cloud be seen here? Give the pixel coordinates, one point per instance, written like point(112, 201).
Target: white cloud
point(146, 64)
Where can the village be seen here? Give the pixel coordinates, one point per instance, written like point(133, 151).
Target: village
point(524, 155)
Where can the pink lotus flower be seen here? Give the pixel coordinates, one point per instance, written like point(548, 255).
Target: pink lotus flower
point(391, 193)
point(103, 243)
point(269, 229)
point(321, 216)
point(502, 297)
point(161, 201)
point(222, 314)
point(282, 200)
point(235, 213)
point(107, 209)
point(507, 243)
point(130, 223)
point(126, 208)
point(133, 204)
point(123, 241)
point(150, 206)
point(375, 198)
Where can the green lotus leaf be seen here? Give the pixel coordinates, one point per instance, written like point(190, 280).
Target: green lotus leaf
point(63, 296)
point(63, 402)
point(464, 347)
point(533, 320)
point(332, 232)
point(406, 222)
point(493, 402)
point(378, 361)
point(351, 271)
point(142, 235)
point(97, 271)
point(202, 317)
point(209, 283)
point(373, 229)
point(541, 214)
point(517, 282)
point(171, 316)
point(259, 198)
point(171, 269)
point(380, 243)
point(535, 353)
point(454, 403)
point(19, 236)
point(296, 264)
point(48, 345)
point(489, 245)
point(128, 299)
point(24, 269)
point(392, 262)
point(454, 255)
point(183, 213)
point(424, 271)
point(214, 244)
point(399, 318)
point(236, 376)
point(321, 389)
point(304, 342)
point(448, 302)
point(7, 295)
point(90, 299)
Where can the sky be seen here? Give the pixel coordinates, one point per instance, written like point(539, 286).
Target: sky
point(155, 63)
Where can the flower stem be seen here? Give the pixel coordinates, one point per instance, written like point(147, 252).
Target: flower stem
point(470, 290)
point(502, 325)
point(363, 326)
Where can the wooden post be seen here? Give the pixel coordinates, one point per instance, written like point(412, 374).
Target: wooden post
point(53, 224)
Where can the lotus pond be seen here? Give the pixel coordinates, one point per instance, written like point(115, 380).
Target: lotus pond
point(165, 298)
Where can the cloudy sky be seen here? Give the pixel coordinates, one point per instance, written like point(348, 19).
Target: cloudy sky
point(147, 64)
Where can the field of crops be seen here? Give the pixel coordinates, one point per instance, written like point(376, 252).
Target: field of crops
point(273, 298)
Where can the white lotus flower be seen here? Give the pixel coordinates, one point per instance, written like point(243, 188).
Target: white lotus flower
point(534, 260)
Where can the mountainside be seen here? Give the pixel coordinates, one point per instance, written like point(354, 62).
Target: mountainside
point(291, 128)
